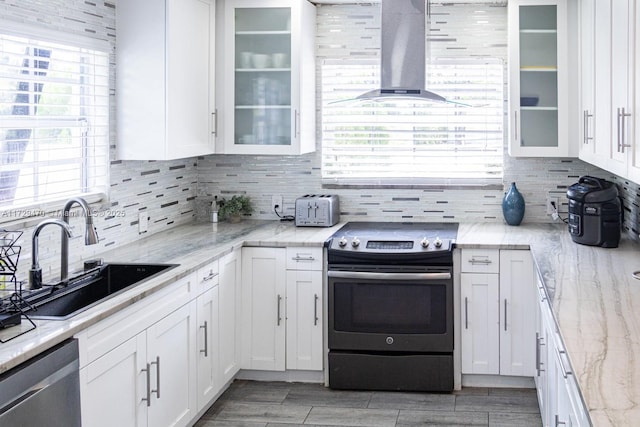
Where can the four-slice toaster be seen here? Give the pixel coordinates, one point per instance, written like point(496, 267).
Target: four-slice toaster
point(317, 210)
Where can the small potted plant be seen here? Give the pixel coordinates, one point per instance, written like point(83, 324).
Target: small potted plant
point(234, 208)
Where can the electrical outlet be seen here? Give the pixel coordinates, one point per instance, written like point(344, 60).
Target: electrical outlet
point(143, 222)
point(552, 205)
point(276, 204)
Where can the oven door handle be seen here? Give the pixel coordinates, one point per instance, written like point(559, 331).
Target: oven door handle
point(387, 276)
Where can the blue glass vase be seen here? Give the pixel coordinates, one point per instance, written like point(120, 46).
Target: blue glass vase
point(513, 206)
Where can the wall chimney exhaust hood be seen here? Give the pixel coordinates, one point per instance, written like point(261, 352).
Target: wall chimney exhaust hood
point(402, 53)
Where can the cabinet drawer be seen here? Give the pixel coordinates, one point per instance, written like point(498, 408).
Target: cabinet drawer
point(300, 258)
point(480, 261)
point(207, 277)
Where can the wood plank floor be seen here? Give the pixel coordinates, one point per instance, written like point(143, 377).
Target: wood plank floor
point(280, 404)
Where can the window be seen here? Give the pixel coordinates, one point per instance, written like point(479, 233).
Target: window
point(413, 142)
point(54, 121)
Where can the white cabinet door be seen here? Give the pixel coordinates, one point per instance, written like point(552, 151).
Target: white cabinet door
point(541, 377)
point(587, 79)
point(268, 77)
point(621, 84)
point(171, 345)
point(517, 313)
point(304, 320)
point(263, 304)
point(113, 386)
point(165, 86)
point(480, 322)
point(229, 316)
point(207, 347)
point(539, 79)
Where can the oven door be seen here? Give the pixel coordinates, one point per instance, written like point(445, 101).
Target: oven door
point(391, 311)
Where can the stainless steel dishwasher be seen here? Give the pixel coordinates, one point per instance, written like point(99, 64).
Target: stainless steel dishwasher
point(43, 391)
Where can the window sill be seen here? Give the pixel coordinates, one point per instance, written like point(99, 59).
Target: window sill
point(415, 184)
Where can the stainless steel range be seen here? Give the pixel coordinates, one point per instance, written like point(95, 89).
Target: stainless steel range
point(391, 306)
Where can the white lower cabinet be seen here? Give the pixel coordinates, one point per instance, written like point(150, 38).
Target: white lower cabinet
point(229, 316)
point(263, 305)
point(282, 308)
point(171, 364)
point(155, 363)
point(208, 377)
point(497, 316)
point(558, 392)
point(304, 320)
point(149, 380)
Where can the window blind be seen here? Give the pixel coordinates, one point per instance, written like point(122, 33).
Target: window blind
point(413, 142)
point(54, 121)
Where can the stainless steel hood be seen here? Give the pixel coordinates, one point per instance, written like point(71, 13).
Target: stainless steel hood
point(403, 53)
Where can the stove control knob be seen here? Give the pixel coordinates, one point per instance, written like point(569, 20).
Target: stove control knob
point(425, 242)
point(355, 242)
point(342, 242)
point(437, 243)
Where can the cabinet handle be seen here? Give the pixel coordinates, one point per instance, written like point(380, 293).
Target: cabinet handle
point(505, 315)
point(298, 258)
point(209, 277)
point(538, 370)
point(558, 422)
point(515, 128)
point(565, 372)
point(214, 127)
point(585, 127)
point(466, 313)
point(206, 344)
point(279, 317)
point(296, 124)
point(147, 399)
point(315, 310)
point(157, 390)
point(482, 261)
point(623, 120)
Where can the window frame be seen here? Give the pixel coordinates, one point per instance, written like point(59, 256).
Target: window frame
point(28, 213)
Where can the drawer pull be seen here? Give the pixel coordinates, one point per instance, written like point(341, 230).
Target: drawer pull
point(481, 261)
point(210, 276)
point(303, 258)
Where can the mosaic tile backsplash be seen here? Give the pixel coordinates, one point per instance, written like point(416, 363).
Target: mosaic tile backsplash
point(347, 31)
point(177, 192)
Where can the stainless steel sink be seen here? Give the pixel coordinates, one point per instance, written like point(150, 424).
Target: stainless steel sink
point(66, 299)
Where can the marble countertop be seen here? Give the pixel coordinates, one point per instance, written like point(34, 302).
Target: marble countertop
point(596, 304)
point(594, 298)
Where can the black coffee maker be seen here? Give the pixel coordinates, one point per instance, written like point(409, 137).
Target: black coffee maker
point(595, 214)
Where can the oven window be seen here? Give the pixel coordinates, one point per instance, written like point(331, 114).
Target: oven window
point(401, 308)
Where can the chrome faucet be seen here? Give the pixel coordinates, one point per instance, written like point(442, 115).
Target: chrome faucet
point(35, 274)
point(90, 236)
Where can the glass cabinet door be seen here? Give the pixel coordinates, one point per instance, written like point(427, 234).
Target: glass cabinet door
point(262, 80)
point(538, 76)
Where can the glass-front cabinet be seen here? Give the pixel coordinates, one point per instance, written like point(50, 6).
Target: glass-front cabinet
point(268, 80)
point(538, 79)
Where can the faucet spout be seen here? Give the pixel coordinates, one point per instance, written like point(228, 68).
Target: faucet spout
point(90, 236)
point(35, 273)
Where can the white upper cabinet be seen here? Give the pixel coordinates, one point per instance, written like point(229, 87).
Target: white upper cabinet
point(266, 77)
point(538, 78)
point(609, 122)
point(165, 79)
